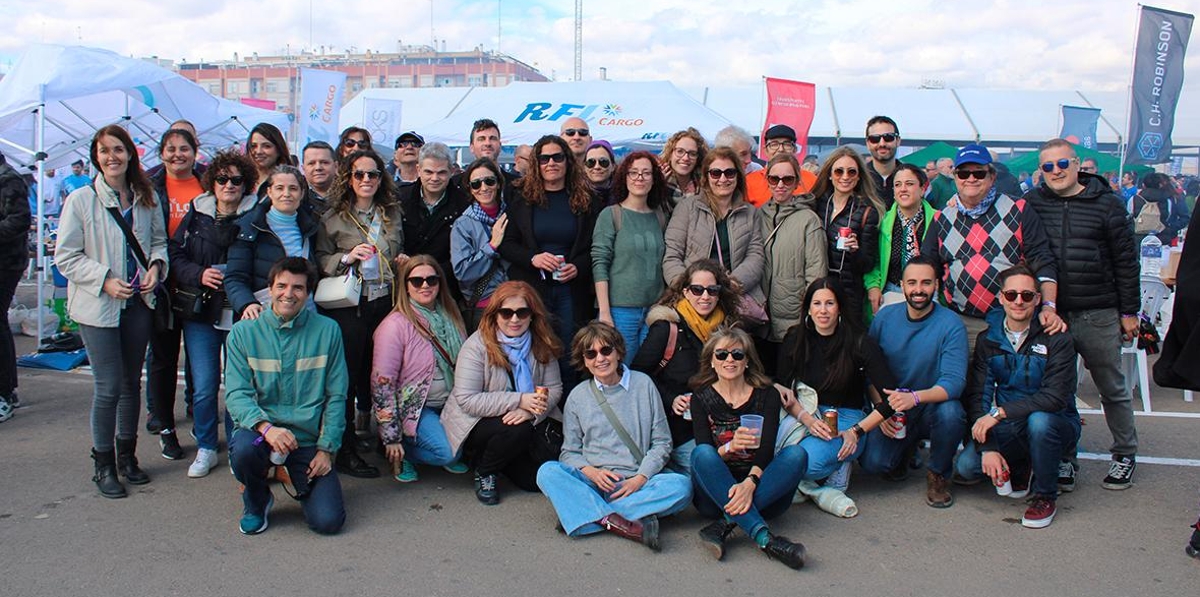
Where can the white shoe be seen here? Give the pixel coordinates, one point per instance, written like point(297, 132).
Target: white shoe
point(205, 461)
point(6, 409)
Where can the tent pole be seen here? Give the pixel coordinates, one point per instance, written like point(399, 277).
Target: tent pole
point(40, 156)
point(1122, 137)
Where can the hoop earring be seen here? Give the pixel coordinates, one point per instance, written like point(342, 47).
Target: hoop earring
point(808, 322)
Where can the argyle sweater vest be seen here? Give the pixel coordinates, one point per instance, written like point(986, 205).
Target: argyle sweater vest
point(976, 250)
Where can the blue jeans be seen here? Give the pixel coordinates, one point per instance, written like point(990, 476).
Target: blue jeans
point(324, 509)
point(430, 446)
point(561, 307)
point(943, 423)
point(1037, 441)
point(681, 458)
point(117, 355)
point(631, 322)
point(204, 343)
point(580, 504)
point(823, 455)
point(713, 480)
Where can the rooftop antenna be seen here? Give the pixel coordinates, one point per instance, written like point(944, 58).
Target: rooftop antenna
point(578, 40)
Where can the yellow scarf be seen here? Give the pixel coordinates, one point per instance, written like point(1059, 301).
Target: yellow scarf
point(700, 325)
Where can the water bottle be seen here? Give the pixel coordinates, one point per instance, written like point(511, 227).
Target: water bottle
point(1151, 256)
point(278, 458)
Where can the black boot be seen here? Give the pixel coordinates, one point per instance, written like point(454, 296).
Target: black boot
point(106, 475)
point(714, 536)
point(786, 551)
point(127, 463)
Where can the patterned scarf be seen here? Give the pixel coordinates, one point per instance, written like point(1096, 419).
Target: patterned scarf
point(518, 350)
point(475, 212)
point(977, 211)
point(702, 326)
point(906, 241)
point(447, 334)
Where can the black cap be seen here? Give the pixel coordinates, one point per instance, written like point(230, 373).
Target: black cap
point(781, 131)
point(407, 136)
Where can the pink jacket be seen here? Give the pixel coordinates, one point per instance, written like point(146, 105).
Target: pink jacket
point(401, 372)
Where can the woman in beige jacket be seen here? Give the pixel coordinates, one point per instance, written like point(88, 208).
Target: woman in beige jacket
point(111, 295)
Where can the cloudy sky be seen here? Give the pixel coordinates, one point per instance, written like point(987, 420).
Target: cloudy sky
point(1060, 44)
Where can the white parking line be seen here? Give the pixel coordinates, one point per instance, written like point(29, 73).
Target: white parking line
point(1145, 459)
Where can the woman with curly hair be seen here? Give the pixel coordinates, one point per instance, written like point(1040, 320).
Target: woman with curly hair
point(361, 235)
point(849, 207)
point(496, 407)
point(680, 160)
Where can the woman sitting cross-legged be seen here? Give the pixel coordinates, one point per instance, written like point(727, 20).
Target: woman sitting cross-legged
point(739, 478)
point(615, 443)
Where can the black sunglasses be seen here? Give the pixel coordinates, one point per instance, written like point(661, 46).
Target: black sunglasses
point(479, 182)
point(546, 158)
point(521, 313)
point(366, 174)
point(840, 172)
point(591, 162)
point(573, 132)
point(786, 180)
point(698, 290)
point(352, 143)
point(409, 143)
point(716, 174)
point(236, 180)
point(418, 281)
point(1062, 164)
point(965, 174)
point(722, 354)
point(887, 137)
point(1027, 296)
point(590, 353)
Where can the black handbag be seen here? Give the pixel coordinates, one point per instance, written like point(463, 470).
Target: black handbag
point(192, 304)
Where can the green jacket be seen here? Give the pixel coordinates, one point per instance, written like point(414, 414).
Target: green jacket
point(796, 249)
point(291, 375)
point(877, 277)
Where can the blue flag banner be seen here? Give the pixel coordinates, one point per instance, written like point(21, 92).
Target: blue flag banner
point(1079, 125)
point(1157, 78)
point(320, 104)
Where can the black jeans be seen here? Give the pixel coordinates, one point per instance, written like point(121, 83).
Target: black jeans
point(358, 340)
point(162, 374)
point(494, 447)
point(8, 350)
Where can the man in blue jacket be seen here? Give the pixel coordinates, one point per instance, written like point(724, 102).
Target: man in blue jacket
point(285, 387)
point(1021, 396)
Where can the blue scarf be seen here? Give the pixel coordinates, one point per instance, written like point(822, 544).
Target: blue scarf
point(518, 352)
point(287, 228)
point(476, 213)
point(983, 206)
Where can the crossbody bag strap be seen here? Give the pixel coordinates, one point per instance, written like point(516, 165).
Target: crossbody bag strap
point(672, 344)
point(130, 239)
point(614, 421)
point(437, 345)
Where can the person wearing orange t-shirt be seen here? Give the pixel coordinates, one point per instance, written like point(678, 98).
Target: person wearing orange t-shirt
point(780, 138)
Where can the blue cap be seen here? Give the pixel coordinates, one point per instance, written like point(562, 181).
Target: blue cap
point(973, 154)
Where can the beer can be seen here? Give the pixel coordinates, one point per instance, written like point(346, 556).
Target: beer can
point(543, 390)
point(843, 235)
point(687, 413)
point(830, 417)
point(1004, 487)
point(900, 421)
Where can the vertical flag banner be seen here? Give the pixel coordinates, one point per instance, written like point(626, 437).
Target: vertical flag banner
point(381, 117)
point(792, 103)
point(1079, 125)
point(320, 103)
point(1157, 78)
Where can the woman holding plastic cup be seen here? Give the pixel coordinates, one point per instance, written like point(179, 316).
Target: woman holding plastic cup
point(739, 479)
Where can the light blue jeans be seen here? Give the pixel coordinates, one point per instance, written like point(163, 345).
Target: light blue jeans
point(822, 455)
point(681, 458)
point(580, 504)
point(430, 446)
point(631, 322)
point(203, 343)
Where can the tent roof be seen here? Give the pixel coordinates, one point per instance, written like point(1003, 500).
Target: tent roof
point(933, 152)
point(85, 89)
point(1104, 162)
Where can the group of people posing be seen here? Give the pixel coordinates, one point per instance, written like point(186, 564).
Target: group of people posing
point(626, 336)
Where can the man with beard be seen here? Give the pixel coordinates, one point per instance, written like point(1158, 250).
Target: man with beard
point(883, 139)
point(926, 347)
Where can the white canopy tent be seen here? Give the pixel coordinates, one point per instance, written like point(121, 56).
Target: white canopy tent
point(56, 97)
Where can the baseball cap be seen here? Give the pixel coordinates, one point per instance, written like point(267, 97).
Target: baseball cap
point(973, 153)
point(410, 136)
point(781, 131)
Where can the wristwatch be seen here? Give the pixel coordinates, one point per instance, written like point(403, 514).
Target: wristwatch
point(755, 478)
point(995, 413)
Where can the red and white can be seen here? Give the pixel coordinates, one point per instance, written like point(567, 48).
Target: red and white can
point(843, 237)
point(900, 422)
point(1004, 487)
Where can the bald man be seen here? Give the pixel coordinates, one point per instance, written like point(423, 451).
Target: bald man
point(575, 132)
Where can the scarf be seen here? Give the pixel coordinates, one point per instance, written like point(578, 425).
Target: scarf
point(702, 326)
point(287, 228)
point(906, 242)
point(518, 352)
point(978, 210)
point(477, 213)
point(443, 329)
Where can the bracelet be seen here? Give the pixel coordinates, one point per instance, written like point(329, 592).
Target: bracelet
point(858, 431)
point(916, 399)
point(265, 430)
point(346, 259)
point(1050, 304)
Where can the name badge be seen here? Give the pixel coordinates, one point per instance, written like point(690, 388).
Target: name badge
point(1039, 349)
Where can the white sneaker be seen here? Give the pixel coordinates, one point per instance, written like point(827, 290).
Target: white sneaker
point(6, 409)
point(205, 461)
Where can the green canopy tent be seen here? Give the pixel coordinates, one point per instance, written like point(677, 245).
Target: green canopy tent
point(930, 153)
point(1104, 162)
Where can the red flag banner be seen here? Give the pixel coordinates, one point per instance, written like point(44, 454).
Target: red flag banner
point(792, 103)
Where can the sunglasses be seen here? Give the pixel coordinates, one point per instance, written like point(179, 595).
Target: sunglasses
point(965, 174)
point(480, 182)
point(716, 174)
point(590, 353)
point(557, 158)
point(723, 355)
point(1062, 164)
point(1027, 296)
point(352, 143)
point(849, 172)
point(685, 153)
point(236, 180)
point(409, 144)
point(428, 281)
point(522, 313)
point(574, 132)
point(698, 290)
point(366, 174)
point(593, 162)
point(886, 137)
point(786, 180)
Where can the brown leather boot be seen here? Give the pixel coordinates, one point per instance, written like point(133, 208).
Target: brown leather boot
point(644, 531)
point(937, 491)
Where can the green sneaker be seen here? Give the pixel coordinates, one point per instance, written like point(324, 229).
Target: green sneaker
point(408, 472)
point(457, 468)
point(253, 524)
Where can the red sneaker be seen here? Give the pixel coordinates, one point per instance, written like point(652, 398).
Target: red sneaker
point(1040, 513)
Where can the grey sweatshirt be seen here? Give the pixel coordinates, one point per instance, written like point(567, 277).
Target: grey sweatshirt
point(590, 440)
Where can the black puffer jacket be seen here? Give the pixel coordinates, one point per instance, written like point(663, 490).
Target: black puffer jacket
point(202, 241)
point(672, 381)
point(14, 220)
point(1091, 236)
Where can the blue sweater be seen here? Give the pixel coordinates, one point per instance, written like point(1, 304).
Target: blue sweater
point(924, 353)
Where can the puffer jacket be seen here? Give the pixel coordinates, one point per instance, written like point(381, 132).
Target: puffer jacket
point(794, 244)
point(1039, 376)
point(14, 220)
point(851, 267)
point(1091, 236)
point(255, 250)
point(693, 230)
point(202, 241)
point(673, 379)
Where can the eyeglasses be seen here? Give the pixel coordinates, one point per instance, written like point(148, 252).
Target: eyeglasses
point(641, 175)
point(522, 313)
point(776, 145)
point(845, 172)
point(723, 355)
point(698, 290)
point(1027, 296)
point(591, 353)
point(236, 180)
point(886, 138)
point(965, 174)
point(574, 132)
point(786, 180)
point(478, 183)
point(1062, 164)
point(685, 153)
point(366, 175)
point(717, 174)
point(352, 143)
point(557, 158)
point(593, 162)
point(427, 281)
point(407, 143)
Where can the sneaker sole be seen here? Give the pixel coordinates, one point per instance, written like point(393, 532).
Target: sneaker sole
point(1037, 524)
point(1117, 486)
point(193, 475)
point(1065, 488)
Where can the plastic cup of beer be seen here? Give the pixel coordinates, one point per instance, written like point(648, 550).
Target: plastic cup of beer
point(755, 424)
